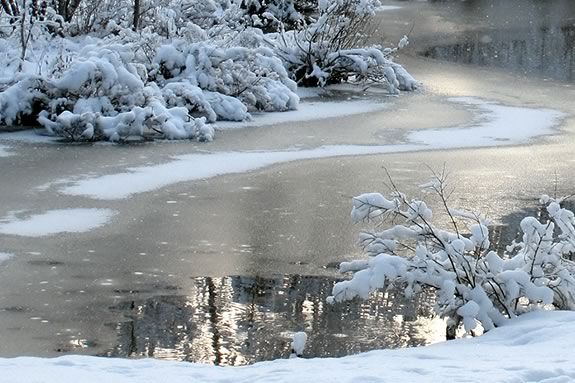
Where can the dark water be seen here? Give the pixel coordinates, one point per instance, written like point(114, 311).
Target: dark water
point(530, 37)
point(240, 320)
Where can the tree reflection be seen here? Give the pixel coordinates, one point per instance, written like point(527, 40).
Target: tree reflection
point(548, 51)
point(544, 46)
point(239, 320)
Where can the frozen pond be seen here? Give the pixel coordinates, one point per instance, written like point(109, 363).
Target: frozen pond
point(218, 252)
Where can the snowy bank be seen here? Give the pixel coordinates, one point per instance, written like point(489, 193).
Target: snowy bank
point(537, 347)
point(306, 111)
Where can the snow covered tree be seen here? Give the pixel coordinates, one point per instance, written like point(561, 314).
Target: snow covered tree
point(66, 8)
point(274, 15)
point(473, 284)
point(10, 7)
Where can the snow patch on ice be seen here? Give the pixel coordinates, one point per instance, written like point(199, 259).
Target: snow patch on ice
point(494, 125)
point(5, 151)
point(384, 8)
point(201, 166)
point(55, 221)
point(5, 256)
point(308, 111)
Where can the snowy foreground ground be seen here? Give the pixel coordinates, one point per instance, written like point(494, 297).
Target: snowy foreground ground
point(537, 347)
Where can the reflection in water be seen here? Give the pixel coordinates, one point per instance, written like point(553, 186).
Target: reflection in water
point(528, 36)
point(549, 51)
point(241, 320)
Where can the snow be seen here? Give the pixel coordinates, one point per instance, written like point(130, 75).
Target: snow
point(384, 8)
point(494, 125)
point(298, 343)
point(308, 111)
point(201, 166)
point(5, 256)
point(5, 151)
point(536, 347)
point(469, 311)
point(55, 221)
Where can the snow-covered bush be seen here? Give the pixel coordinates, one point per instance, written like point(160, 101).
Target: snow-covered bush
point(326, 50)
point(78, 68)
point(164, 18)
point(273, 15)
point(24, 98)
point(106, 91)
point(319, 42)
point(473, 283)
point(234, 75)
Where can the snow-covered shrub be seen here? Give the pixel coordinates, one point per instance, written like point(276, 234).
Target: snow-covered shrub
point(274, 15)
point(318, 41)
point(83, 66)
point(164, 18)
point(473, 284)
point(254, 77)
point(22, 99)
point(326, 50)
point(101, 95)
point(106, 83)
point(21, 23)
